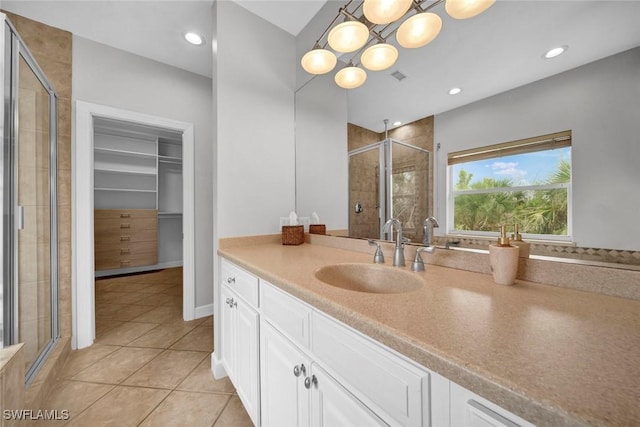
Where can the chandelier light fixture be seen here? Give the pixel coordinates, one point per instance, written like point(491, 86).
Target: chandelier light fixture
point(368, 24)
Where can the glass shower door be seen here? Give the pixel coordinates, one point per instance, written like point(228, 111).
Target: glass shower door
point(408, 188)
point(34, 213)
point(29, 266)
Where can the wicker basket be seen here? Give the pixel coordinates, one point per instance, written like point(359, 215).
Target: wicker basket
point(292, 234)
point(317, 229)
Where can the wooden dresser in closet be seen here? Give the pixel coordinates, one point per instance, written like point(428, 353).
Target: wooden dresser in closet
point(125, 238)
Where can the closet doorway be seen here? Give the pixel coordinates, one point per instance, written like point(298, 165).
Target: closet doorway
point(141, 169)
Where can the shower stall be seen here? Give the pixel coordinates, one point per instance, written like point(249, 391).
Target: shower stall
point(388, 179)
point(28, 182)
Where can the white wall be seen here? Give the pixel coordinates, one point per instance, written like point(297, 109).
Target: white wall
point(255, 123)
point(600, 104)
point(322, 167)
point(109, 76)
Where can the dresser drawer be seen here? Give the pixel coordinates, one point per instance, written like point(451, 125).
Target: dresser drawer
point(115, 259)
point(126, 248)
point(100, 214)
point(288, 314)
point(392, 387)
point(242, 282)
point(124, 224)
point(124, 237)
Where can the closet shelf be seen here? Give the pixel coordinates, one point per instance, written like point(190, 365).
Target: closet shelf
point(169, 215)
point(125, 172)
point(169, 159)
point(124, 153)
point(125, 190)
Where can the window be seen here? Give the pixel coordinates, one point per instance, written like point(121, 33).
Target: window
point(525, 182)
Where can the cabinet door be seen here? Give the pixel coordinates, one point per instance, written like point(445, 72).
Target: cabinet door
point(283, 368)
point(333, 406)
point(228, 331)
point(247, 376)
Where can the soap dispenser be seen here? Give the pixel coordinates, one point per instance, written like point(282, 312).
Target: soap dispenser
point(503, 259)
point(516, 240)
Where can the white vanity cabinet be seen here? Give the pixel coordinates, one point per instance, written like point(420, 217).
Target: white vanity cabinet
point(240, 339)
point(292, 365)
point(295, 390)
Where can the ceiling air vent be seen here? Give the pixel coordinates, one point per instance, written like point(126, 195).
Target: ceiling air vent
point(398, 75)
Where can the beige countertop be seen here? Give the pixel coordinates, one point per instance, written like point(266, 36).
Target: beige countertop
point(551, 355)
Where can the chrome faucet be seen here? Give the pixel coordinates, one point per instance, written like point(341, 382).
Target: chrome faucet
point(398, 254)
point(427, 230)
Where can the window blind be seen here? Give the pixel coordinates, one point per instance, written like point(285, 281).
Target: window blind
point(529, 145)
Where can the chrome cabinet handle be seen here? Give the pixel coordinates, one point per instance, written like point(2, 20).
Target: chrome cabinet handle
point(231, 303)
point(309, 381)
point(299, 369)
point(231, 280)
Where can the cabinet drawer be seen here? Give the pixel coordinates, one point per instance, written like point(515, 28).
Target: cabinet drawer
point(100, 214)
point(115, 260)
point(289, 315)
point(126, 249)
point(470, 410)
point(393, 388)
point(242, 282)
point(124, 236)
point(123, 225)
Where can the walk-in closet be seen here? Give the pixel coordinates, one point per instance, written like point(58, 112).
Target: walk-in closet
point(137, 197)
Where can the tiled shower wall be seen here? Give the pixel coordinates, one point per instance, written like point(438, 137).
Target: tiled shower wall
point(362, 175)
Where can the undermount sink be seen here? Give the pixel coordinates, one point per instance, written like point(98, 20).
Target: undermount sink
point(369, 278)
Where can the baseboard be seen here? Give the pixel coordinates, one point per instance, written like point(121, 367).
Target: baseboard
point(204, 311)
point(141, 269)
point(216, 367)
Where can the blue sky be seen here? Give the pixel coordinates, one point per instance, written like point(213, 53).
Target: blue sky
point(523, 169)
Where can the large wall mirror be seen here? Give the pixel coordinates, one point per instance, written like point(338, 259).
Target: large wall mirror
point(509, 92)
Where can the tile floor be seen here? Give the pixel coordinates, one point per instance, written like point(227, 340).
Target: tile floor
point(147, 367)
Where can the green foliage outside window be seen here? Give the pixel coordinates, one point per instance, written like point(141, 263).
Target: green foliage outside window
point(537, 211)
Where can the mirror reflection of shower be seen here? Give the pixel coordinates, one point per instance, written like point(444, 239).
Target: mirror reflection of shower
point(388, 179)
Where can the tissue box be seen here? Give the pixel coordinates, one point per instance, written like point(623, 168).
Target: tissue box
point(292, 234)
point(317, 229)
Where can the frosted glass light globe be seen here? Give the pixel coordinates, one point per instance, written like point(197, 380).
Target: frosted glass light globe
point(419, 30)
point(463, 9)
point(379, 57)
point(348, 36)
point(350, 77)
point(319, 61)
point(385, 11)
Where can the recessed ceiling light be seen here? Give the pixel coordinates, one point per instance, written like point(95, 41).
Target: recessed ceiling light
point(556, 51)
point(194, 38)
point(455, 91)
point(397, 123)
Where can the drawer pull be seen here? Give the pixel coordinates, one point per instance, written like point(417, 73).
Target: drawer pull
point(125, 251)
point(125, 263)
point(310, 381)
point(125, 225)
point(231, 303)
point(299, 369)
point(125, 215)
point(125, 238)
point(231, 280)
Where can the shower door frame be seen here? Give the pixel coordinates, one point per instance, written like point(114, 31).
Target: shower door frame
point(385, 180)
point(14, 49)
